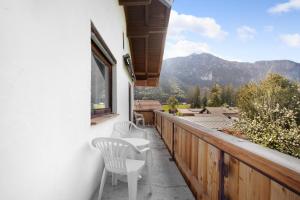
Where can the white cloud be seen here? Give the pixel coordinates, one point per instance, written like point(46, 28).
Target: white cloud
point(285, 7)
point(292, 40)
point(246, 33)
point(181, 23)
point(184, 48)
point(268, 28)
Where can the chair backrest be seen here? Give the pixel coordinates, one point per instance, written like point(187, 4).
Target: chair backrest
point(138, 115)
point(124, 128)
point(114, 152)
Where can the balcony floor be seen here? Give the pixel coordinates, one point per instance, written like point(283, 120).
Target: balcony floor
point(167, 181)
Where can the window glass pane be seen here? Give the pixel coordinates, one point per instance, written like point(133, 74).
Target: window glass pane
point(100, 85)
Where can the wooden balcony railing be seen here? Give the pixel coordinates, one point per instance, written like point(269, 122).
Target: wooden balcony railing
point(219, 166)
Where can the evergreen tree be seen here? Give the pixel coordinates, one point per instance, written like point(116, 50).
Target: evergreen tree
point(215, 96)
point(204, 100)
point(196, 101)
point(228, 95)
point(223, 96)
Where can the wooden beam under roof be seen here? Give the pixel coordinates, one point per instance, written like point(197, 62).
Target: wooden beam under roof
point(147, 23)
point(144, 31)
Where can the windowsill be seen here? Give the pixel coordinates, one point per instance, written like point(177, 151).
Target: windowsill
point(98, 120)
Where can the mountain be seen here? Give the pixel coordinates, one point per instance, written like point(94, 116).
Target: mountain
point(181, 73)
point(205, 69)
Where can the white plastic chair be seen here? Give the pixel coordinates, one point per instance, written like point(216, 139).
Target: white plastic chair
point(128, 129)
point(115, 152)
point(139, 118)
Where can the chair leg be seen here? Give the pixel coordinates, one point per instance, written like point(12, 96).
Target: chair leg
point(149, 169)
point(114, 179)
point(102, 184)
point(149, 180)
point(132, 185)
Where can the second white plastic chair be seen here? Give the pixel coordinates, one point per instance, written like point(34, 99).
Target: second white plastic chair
point(129, 129)
point(115, 152)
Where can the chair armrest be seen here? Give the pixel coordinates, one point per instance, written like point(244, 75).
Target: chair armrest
point(144, 132)
point(145, 150)
point(139, 115)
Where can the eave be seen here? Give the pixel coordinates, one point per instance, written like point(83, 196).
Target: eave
point(147, 22)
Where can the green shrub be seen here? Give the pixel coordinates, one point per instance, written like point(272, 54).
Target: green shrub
point(270, 114)
point(273, 128)
point(173, 102)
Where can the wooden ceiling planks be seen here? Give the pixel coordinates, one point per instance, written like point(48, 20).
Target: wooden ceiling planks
point(147, 23)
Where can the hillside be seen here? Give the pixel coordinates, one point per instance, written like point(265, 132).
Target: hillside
point(180, 74)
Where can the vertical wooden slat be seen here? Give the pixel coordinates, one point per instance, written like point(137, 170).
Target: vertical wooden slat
point(252, 184)
point(278, 192)
point(194, 161)
point(179, 131)
point(178, 141)
point(188, 150)
point(231, 183)
point(183, 143)
point(202, 167)
point(213, 172)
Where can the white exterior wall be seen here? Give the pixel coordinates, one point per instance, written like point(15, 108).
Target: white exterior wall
point(45, 80)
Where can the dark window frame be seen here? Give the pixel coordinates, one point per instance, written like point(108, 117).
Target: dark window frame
point(101, 52)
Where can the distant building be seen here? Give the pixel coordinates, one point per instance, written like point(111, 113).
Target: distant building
point(186, 112)
point(212, 121)
point(212, 117)
point(146, 105)
point(230, 112)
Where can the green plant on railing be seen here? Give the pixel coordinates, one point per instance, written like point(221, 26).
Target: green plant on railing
point(173, 102)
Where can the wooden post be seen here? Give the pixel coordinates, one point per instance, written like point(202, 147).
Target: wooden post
point(173, 140)
point(222, 173)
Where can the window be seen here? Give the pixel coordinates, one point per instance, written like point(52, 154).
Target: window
point(101, 87)
point(102, 63)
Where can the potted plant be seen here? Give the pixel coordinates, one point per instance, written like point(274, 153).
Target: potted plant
point(172, 102)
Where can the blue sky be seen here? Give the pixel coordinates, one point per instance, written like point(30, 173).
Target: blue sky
point(241, 30)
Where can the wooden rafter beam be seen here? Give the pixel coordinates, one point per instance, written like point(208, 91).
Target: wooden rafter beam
point(146, 55)
point(150, 74)
point(144, 31)
point(146, 15)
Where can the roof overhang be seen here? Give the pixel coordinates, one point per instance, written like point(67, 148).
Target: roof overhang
point(147, 22)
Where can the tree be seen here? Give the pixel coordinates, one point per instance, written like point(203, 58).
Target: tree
point(245, 97)
point(275, 128)
point(204, 100)
point(270, 114)
point(172, 102)
point(274, 90)
point(196, 98)
point(228, 95)
point(214, 98)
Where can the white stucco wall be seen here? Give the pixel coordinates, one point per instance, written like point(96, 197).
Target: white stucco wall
point(45, 130)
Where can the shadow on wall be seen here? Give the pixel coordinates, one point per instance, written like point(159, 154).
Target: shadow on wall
point(89, 167)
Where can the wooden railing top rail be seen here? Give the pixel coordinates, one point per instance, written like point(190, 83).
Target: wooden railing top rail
point(143, 110)
point(283, 168)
